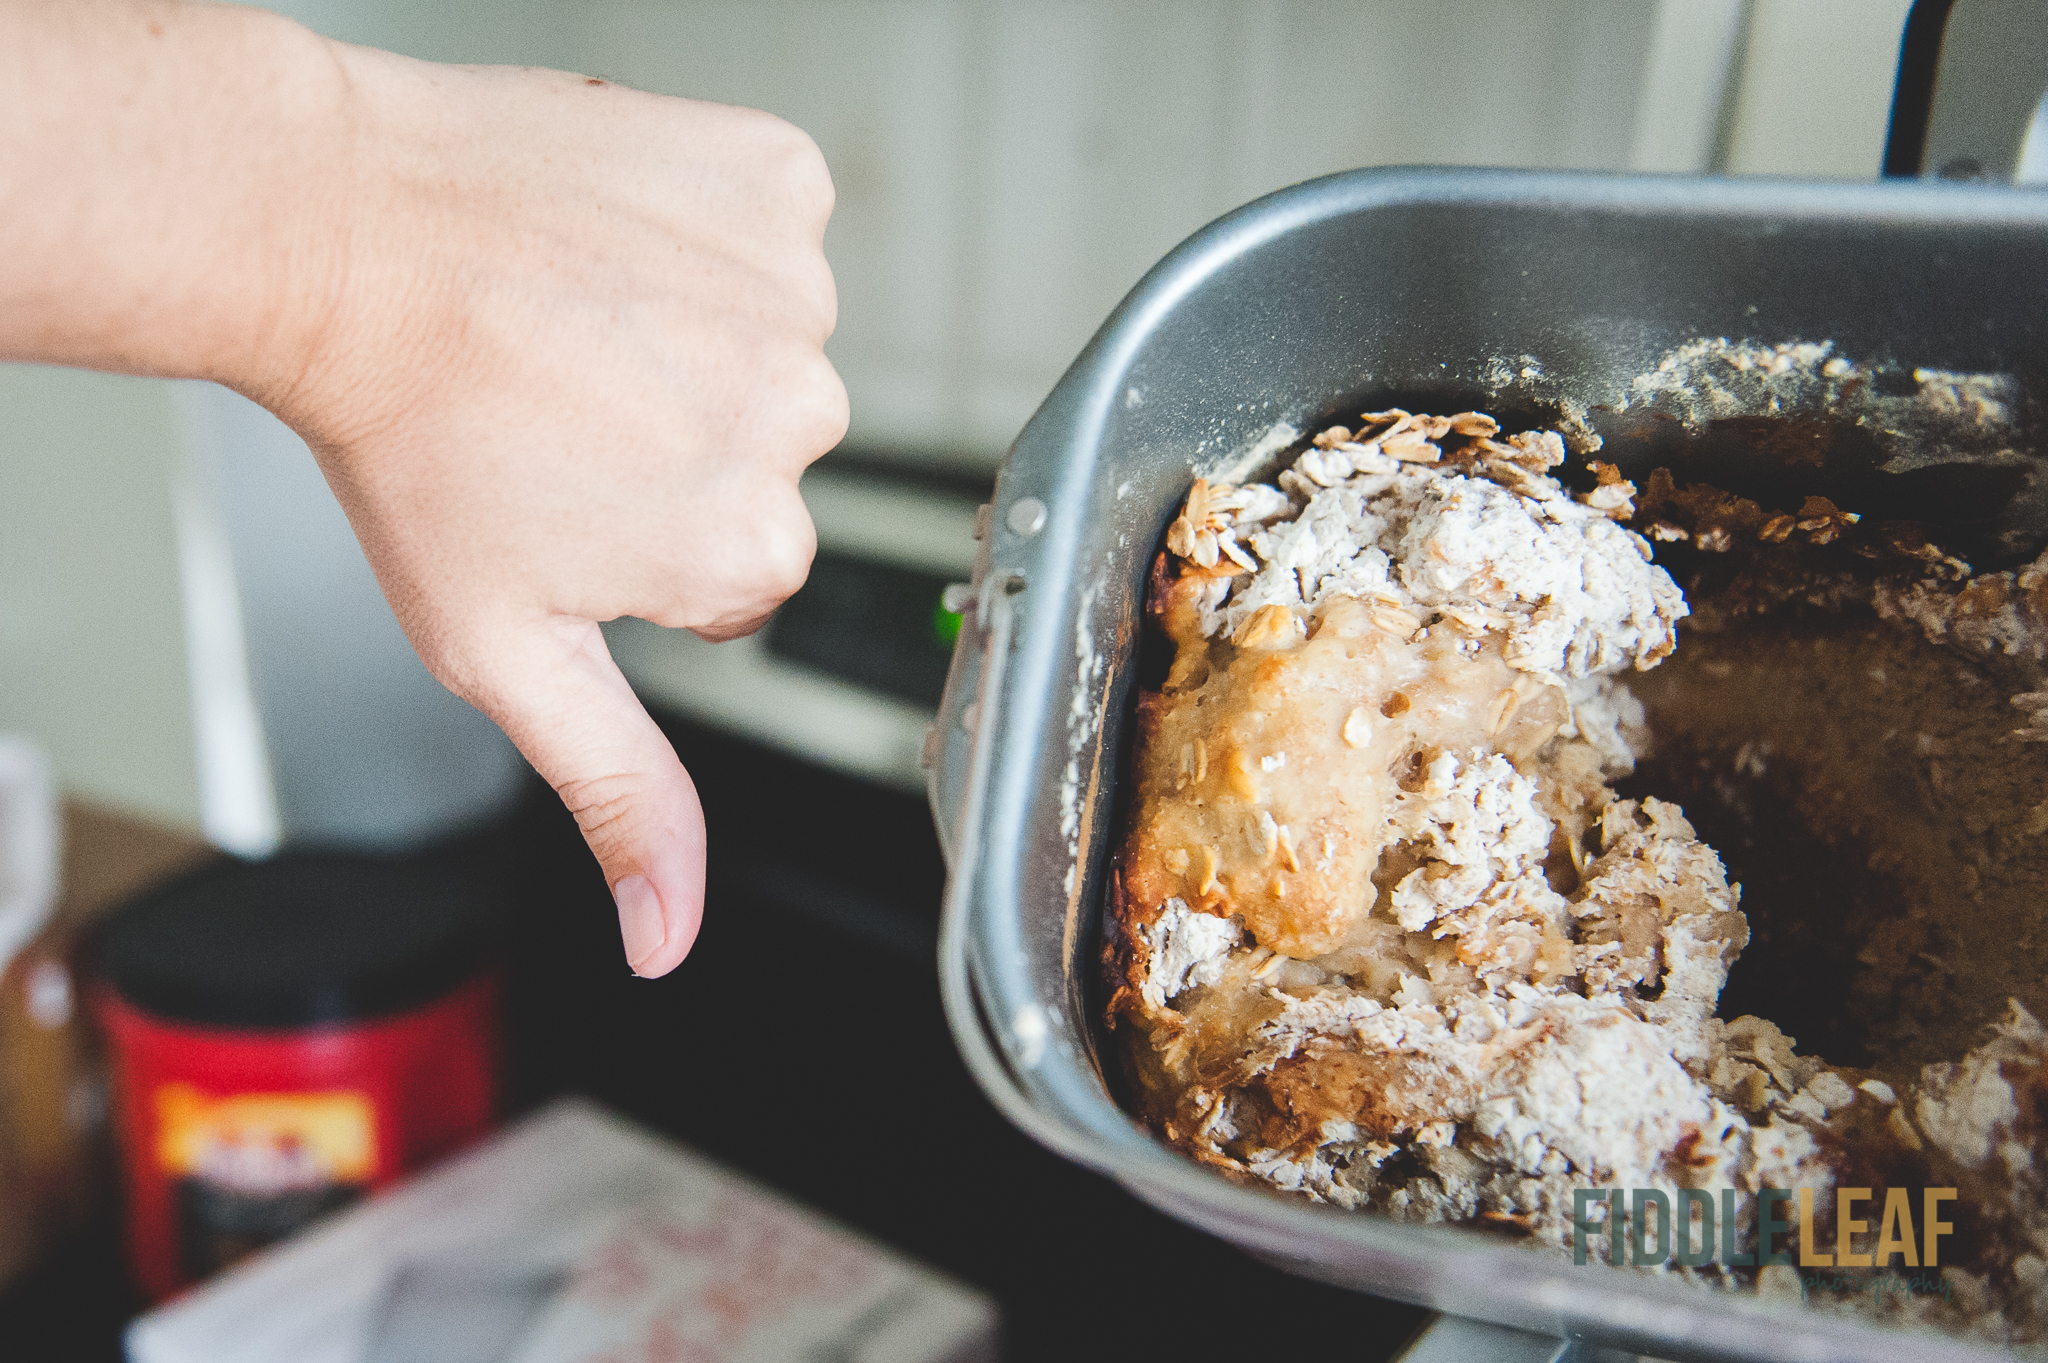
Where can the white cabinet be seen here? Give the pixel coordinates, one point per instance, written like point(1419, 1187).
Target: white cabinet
point(1007, 171)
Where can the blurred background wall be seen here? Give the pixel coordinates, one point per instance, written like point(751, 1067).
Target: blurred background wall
point(187, 626)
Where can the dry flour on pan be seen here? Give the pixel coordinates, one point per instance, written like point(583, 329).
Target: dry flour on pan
point(1386, 937)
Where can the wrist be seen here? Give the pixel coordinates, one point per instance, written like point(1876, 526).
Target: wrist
point(166, 214)
point(343, 283)
point(270, 273)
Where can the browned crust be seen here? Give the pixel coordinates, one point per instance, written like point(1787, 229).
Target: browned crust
point(1123, 965)
point(1385, 1093)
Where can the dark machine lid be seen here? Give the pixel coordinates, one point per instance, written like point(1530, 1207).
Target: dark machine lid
point(301, 939)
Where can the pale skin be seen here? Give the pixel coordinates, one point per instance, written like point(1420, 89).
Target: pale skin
point(557, 346)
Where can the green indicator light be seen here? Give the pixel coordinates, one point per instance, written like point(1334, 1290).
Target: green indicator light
point(945, 626)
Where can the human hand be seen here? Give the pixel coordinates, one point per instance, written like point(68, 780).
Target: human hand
point(565, 365)
point(557, 345)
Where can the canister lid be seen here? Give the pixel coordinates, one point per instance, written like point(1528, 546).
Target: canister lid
point(297, 940)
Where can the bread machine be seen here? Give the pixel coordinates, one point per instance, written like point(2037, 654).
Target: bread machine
point(1527, 292)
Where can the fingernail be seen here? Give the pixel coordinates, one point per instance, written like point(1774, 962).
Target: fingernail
point(640, 922)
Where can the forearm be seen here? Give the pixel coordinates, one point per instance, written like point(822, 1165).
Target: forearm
point(164, 169)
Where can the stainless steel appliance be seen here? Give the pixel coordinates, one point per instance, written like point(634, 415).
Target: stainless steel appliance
point(1496, 289)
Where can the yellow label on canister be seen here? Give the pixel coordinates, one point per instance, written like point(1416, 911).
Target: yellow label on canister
point(266, 1142)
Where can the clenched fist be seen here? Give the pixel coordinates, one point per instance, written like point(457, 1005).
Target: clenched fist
point(557, 345)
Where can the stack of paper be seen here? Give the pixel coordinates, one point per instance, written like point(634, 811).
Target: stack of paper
point(573, 1238)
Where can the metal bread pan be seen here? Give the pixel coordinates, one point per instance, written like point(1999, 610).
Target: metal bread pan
point(1535, 293)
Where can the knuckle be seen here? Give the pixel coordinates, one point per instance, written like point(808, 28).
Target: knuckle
point(604, 809)
point(786, 554)
point(799, 167)
point(814, 181)
point(798, 405)
point(785, 542)
point(802, 162)
point(765, 569)
point(827, 408)
point(821, 291)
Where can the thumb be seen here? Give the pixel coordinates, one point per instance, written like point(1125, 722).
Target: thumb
point(555, 691)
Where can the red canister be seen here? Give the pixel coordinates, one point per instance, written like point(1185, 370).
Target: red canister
point(287, 1036)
